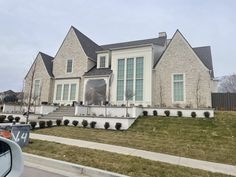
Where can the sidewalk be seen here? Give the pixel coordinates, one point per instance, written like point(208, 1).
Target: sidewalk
point(182, 161)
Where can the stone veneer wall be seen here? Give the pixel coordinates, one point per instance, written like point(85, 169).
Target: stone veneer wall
point(180, 58)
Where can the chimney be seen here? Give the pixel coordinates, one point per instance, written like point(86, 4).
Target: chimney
point(162, 34)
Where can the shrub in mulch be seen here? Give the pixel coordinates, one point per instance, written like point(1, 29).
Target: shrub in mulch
point(75, 123)
point(66, 122)
point(145, 113)
point(106, 125)
point(154, 113)
point(167, 113)
point(93, 124)
point(118, 126)
point(206, 114)
point(33, 124)
point(85, 123)
point(193, 114)
point(49, 123)
point(2, 118)
point(179, 113)
point(17, 119)
point(10, 118)
point(58, 122)
point(42, 124)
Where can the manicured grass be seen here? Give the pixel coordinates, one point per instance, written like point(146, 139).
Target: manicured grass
point(128, 165)
point(205, 139)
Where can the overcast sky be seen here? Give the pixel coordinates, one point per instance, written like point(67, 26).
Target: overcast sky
point(27, 27)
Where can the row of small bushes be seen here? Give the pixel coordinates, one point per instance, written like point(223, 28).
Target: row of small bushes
point(10, 118)
point(179, 113)
point(92, 124)
point(42, 124)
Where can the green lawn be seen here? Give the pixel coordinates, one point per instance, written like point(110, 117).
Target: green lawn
point(205, 139)
point(128, 165)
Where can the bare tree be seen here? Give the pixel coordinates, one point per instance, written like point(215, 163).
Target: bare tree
point(228, 84)
point(161, 92)
point(129, 94)
point(198, 95)
point(30, 93)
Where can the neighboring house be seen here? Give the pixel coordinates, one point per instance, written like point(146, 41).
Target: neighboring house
point(157, 72)
point(6, 93)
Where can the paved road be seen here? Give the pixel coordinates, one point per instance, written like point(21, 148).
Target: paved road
point(29, 172)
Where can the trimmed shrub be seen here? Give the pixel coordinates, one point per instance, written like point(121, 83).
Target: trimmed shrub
point(58, 122)
point(42, 124)
point(145, 113)
point(206, 114)
point(44, 103)
point(179, 113)
point(66, 122)
point(118, 126)
point(167, 113)
point(49, 123)
point(155, 113)
point(93, 124)
point(193, 114)
point(2, 118)
point(10, 118)
point(33, 124)
point(85, 123)
point(106, 125)
point(22, 123)
point(75, 123)
point(17, 119)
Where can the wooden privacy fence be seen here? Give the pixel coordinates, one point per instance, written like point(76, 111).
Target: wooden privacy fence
point(224, 101)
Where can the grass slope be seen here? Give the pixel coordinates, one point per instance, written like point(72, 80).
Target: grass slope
point(205, 139)
point(128, 165)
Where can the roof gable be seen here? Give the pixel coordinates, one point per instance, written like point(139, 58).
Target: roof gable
point(87, 44)
point(203, 53)
point(47, 60)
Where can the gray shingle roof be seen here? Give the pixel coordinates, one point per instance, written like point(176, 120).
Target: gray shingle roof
point(158, 41)
point(47, 60)
point(88, 45)
point(204, 53)
point(98, 71)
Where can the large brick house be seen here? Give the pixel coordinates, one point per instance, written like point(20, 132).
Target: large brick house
point(157, 72)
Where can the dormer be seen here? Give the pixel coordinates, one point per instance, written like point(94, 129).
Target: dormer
point(103, 59)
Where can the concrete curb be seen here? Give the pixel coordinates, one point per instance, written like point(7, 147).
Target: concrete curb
point(67, 167)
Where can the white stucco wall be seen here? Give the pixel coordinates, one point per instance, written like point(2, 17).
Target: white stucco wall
point(100, 121)
point(146, 53)
point(111, 111)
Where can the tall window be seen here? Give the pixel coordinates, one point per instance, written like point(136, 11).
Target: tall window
point(69, 66)
point(120, 79)
point(65, 91)
point(102, 62)
point(139, 79)
point(58, 92)
point(178, 87)
point(36, 88)
point(72, 91)
point(129, 78)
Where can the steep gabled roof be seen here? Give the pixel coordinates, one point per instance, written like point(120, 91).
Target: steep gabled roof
point(204, 53)
point(47, 60)
point(88, 45)
point(98, 71)
point(158, 41)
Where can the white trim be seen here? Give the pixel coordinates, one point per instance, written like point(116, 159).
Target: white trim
point(172, 89)
point(71, 66)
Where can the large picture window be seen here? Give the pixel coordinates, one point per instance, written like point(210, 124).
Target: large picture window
point(139, 79)
point(178, 87)
point(120, 79)
point(130, 79)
